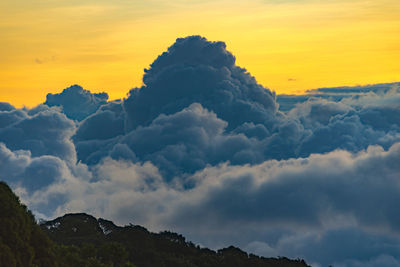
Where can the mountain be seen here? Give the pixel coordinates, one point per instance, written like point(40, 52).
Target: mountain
point(76, 240)
point(146, 249)
point(22, 242)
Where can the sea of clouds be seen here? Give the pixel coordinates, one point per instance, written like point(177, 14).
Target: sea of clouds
point(203, 149)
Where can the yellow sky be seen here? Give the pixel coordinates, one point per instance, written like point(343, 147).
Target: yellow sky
point(288, 45)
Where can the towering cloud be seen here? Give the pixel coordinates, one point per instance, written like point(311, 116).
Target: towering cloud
point(203, 149)
point(196, 70)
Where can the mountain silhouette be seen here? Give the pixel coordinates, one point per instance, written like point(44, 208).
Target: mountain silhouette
point(75, 240)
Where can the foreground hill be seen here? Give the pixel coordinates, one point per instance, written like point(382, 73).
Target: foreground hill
point(22, 242)
point(76, 240)
point(147, 249)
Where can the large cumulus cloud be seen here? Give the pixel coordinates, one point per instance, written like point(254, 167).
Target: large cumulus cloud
point(192, 71)
point(196, 70)
point(203, 149)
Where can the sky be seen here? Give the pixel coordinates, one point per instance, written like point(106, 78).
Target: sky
point(289, 46)
point(203, 149)
point(171, 115)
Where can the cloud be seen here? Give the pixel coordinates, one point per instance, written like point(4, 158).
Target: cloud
point(10, 116)
point(179, 143)
point(382, 260)
point(331, 208)
point(189, 140)
point(337, 247)
point(196, 70)
point(193, 70)
point(46, 132)
point(45, 182)
point(110, 118)
point(299, 192)
point(375, 88)
point(4, 106)
point(76, 102)
point(345, 93)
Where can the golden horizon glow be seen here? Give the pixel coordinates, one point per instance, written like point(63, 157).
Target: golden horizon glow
point(288, 46)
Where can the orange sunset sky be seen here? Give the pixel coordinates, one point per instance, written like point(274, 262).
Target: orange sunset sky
point(288, 45)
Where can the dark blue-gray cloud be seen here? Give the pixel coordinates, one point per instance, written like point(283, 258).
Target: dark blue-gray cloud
point(203, 149)
point(352, 123)
point(106, 123)
point(76, 102)
point(46, 132)
point(4, 106)
point(196, 70)
point(179, 143)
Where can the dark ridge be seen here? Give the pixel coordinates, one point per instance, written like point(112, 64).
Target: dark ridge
point(146, 249)
point(81, 240)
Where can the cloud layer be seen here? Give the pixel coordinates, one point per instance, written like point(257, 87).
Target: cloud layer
point(203, 149)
